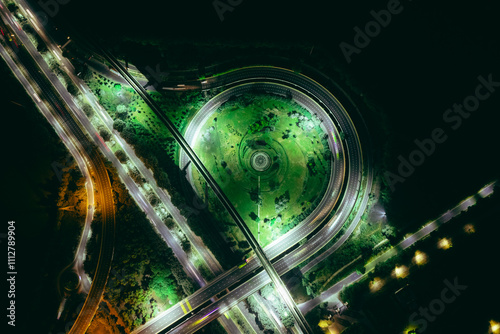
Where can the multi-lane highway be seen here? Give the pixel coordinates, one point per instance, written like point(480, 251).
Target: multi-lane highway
point(348, 188)
point(350, 194)
point(307, 249)
point(259, 252)
point(29, 59)
point(84, 120)
point(80, 159)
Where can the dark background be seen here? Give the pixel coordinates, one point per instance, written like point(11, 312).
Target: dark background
point(424, 61)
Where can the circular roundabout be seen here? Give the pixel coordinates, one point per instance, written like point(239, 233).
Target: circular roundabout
point(348, 184)
point(276, 151)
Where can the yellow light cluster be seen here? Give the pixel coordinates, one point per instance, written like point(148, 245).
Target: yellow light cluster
point(376, 284)
point(494, 327)
point(400, 271)
point(420, 258)
point(444, 243)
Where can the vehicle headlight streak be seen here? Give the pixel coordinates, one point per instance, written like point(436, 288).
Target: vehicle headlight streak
point(299, 317)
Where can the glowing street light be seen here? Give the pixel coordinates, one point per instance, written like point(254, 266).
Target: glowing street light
point(376, 284)
point(494, 327)
point(444, 243)
point(324, 323)
point(401, 271)
point(420, 258)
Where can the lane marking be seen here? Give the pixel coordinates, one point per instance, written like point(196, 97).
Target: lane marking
point(183, 308)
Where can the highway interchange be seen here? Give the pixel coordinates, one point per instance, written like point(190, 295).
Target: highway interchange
point(297, 234)
point(316, 242)
point(136, 193)
point(311, 95)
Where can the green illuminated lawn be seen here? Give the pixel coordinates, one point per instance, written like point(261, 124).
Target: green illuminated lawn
point(140, 127)
point(291, 137)
point(295, 145)
point(123, 103)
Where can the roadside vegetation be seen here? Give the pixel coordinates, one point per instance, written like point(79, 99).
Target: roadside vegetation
point(239, 319)
point(372, 236)
point(71, 215)
point(276, 303)
point(42, 48)
point(387, 296)
point(458, 250)
point(351, 256)
point(261, 317)
point(146, 277)
point(140, 127)
point(213, 327)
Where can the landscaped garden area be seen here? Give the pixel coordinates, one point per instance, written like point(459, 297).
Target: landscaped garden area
point(271, 158)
